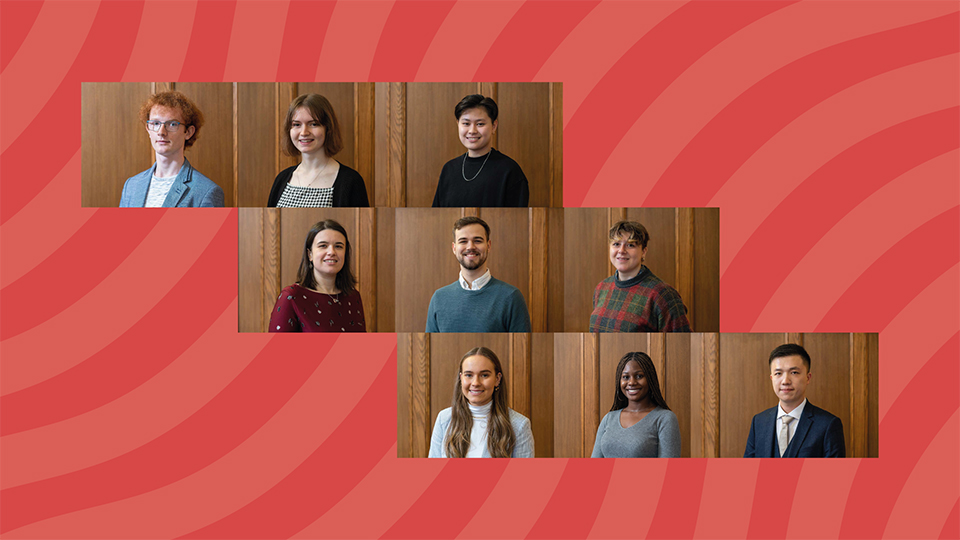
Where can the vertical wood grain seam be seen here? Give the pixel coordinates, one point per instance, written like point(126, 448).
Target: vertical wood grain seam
point(236, 144)
point(420, 408)
point(539, 240)
point(859, 384)
point(684, 226)
point(556, 145)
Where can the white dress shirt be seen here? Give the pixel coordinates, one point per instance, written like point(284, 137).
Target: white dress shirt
point(477, 283)
point(792, 428)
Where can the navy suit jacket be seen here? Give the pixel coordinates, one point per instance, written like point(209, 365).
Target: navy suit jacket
point(819, 434)
point(189, 189)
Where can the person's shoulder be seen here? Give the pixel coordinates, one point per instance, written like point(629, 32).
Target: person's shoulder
point(503, 285)
point(820, 412)
point(445, 415)
point(766, 414)
point(505, 159)
point(666, 415)
point(610, 281)
point(291, 289)
point(455, 162)
point(447, 289)
point(348, 172)
point(517, 419)
point(287, 173)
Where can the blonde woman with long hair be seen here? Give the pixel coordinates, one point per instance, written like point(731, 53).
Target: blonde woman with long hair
point(479, 423)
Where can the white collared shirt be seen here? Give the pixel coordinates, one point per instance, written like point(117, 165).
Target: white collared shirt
point(792, 428)
point(477, 283)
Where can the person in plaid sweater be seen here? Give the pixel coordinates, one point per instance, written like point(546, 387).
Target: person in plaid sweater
point(633, 299)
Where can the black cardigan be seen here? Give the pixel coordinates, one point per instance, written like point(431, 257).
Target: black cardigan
point(348, 189)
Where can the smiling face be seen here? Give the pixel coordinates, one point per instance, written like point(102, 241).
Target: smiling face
point(471, 246)
point(306, 132)
point(166, 142)
point(626, 256)
point(478, 378)
point(790, 378)
point(328, 252)
point(476, 131)
point(633, 384)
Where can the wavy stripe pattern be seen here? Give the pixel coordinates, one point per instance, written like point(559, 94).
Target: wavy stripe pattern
point(827, 133)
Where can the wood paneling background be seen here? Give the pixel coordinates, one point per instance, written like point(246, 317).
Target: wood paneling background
point(526, 252)
point(262, 108)
point(715, 384)
point(115, 144)
point(416, 133)
point(427, 373)
point(683, 251)
point(271, 244)
point(238, 146)
point(396, 135)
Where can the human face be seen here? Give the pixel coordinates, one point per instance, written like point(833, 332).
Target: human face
point(165, 142)
point(471, 246)
point(790, 379)
point(476, 131)
point(306, 132)
point(626, 256)
point(478, 378)
point(328, 252)
point(633, 383)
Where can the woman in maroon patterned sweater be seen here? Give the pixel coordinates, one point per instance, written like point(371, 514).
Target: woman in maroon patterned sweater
point(325, 297)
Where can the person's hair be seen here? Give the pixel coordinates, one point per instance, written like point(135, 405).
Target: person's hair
point(476, 100)
point(470, 220)
point(632, 229)
point(178, 101)
point(345, 280)
point(500, 436)
point(653, 383)
point(790, 349)
point(321, 110)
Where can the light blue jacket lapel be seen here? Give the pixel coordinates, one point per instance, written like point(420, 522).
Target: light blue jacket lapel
point(180, 186)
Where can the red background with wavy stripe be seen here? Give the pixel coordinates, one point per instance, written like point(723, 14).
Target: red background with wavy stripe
point(828, 134)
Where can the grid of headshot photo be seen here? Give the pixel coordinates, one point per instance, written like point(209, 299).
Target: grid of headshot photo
point(435, 211)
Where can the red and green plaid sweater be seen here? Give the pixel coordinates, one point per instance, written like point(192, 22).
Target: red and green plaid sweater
point(641, 304)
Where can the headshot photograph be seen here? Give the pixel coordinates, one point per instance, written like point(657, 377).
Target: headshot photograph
point(312, 133)
point(314, 270)
point(479, 270)
point(474, 395)
point(470, 144)
point(157, 145)
point(642, 270)
point(716, 395)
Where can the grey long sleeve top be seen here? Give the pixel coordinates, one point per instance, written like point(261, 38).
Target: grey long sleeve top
point(656, 435)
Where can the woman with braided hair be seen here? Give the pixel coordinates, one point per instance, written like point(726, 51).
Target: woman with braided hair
point(639, 424)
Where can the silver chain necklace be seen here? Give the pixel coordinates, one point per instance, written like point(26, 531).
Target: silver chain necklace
point(463, 164)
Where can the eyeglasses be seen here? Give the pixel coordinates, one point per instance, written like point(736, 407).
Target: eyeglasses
point(172, 125)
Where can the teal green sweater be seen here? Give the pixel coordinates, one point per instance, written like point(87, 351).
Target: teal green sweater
point(497, 307)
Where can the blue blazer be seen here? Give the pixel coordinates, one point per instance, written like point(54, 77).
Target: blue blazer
point(819, 434)
point(189, 189)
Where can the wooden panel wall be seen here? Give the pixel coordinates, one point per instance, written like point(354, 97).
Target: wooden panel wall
point(238, 146)
point(115, 144)
point(519, 255)
point(715, 384)
point(427, 373)
point(261, 112)
point(416, 134)
point(683, 251)
point(271, 244)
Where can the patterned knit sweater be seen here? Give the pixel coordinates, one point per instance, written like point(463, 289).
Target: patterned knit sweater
point(641, 304)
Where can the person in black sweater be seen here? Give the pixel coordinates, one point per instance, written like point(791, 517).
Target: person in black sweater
point(311, 131)
point(482, 176)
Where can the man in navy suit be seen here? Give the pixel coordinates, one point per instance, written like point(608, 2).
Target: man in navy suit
point(794, 428)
